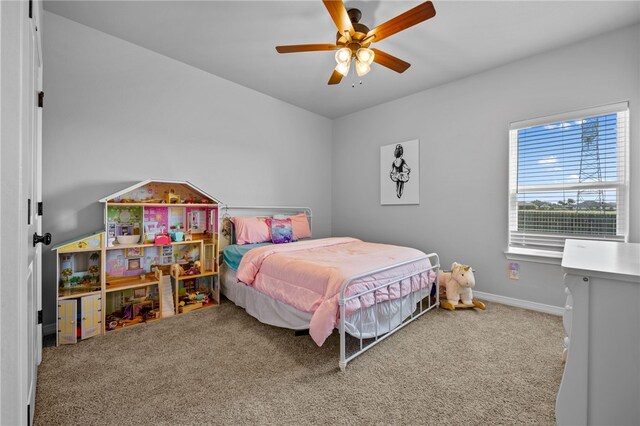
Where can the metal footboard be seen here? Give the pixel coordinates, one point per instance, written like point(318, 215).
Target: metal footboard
point(419, 303)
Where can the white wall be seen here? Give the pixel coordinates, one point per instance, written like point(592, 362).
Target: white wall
point(463, 130)
point(116, 114)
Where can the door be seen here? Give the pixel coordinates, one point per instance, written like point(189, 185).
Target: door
point(20, 60)
point(67, 326)
point(91, 311)
point(37, 175)
point(31, 190)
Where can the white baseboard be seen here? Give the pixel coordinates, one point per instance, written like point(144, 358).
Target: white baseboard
point(519, 303)
point(48, 329)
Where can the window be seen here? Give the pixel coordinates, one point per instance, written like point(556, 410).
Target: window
point(568, 178)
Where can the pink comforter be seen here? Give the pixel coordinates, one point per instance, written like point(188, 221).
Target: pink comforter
point(308, 275)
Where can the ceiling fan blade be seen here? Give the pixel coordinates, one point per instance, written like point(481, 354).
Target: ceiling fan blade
point(389, 61)
point(403, 21)
point(336, 78)
point(294, 48)
point(339, 15)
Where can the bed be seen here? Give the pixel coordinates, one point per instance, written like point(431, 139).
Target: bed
point(367, 291)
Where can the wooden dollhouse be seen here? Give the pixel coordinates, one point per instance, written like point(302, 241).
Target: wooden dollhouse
point(158, 256)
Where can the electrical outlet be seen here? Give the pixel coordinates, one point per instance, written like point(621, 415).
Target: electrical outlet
point(514, 271)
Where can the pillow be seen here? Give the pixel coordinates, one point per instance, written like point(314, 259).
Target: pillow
point(250, 230)
point(300, 225)
point(281, 231)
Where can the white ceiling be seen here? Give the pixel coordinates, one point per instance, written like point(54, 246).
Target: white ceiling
point(236, 39)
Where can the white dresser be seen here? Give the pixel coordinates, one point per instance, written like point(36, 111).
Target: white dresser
point(601, 380)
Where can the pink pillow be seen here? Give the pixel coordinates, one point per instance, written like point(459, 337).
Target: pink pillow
point(251, 230)
point(300, 225)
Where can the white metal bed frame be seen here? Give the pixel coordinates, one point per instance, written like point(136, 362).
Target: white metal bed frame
point(419, 308)
point(418, 311)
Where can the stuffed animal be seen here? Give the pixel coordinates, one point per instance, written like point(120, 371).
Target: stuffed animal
point(457, 285)
point(177, 270)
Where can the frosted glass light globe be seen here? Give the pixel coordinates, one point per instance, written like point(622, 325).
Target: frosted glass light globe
point(343, 55)
point(362, 68)
point(365, 55)
point(343, 67)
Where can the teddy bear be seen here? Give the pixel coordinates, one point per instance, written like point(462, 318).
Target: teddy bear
point(457, 286)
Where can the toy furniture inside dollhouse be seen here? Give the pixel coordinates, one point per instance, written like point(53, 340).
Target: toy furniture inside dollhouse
point(158, 256)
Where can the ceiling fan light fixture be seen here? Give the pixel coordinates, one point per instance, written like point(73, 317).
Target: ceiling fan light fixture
point(362, 68)
point(343, 67)
point(365, 55)
point(353, 39)
point(343, 56)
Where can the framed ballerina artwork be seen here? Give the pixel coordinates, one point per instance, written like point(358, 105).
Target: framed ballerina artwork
point(400, 173)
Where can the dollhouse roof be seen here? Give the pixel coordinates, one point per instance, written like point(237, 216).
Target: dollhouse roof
point(75, 240)
point(159, 184)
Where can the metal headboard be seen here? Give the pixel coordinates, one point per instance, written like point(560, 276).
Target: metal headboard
point(227, 212)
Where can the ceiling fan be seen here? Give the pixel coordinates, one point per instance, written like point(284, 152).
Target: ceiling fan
point(353, 39)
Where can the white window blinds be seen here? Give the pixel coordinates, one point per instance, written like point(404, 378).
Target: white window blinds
point(568, 178)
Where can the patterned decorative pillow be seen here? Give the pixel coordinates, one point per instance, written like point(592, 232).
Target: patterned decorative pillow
point(281, 231)
point(299, 223)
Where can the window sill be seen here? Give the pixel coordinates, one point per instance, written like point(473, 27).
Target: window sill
point(535, 256)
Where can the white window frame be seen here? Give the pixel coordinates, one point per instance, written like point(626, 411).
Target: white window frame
point(554, 255)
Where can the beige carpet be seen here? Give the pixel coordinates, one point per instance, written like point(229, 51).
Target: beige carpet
point(221, 366)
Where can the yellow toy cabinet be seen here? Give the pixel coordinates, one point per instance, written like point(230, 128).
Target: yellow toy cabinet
point(79, 272)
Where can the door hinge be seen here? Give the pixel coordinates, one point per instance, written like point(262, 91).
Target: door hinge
point(30, 9)
point(28, 414)
point(28, 211)
point(41, 99)
point(40, 316)
point(40, 207)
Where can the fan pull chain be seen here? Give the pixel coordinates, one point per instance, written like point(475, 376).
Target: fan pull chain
point(352, 72)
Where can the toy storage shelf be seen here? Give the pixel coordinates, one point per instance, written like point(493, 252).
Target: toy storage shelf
point(83, 250)
point(79, 293)
point(186, 289)
point(172, 243)
point(128, 283)
point(182, 243)
point(74, 293)
point(178, 243)
point(126, 246)
point(115, 321)
point(99, 285)
point(133, 323)
point(125, 307)
point(189, 277)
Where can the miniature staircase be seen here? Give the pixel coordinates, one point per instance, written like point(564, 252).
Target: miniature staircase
point(168, 309)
